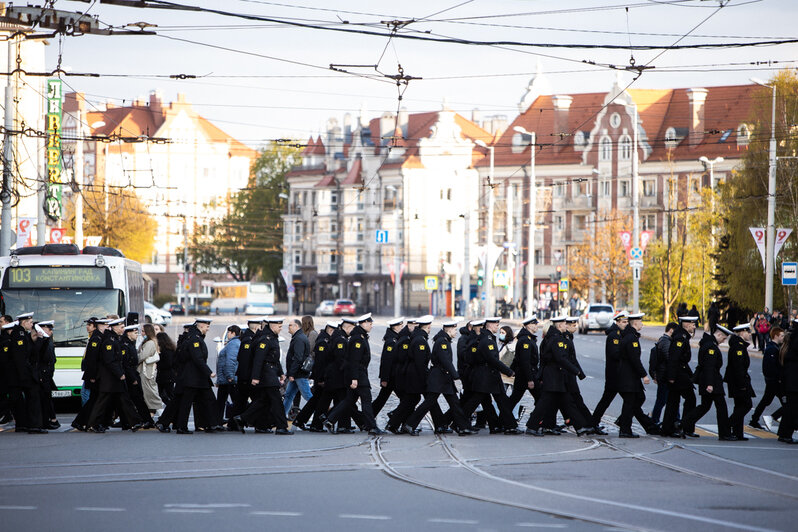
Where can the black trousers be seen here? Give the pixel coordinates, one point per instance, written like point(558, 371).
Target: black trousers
point(771, 391)
point(203, 401)
point(310, 405)
point(582, 408)
point(549, 403)
point(382, 397)
point(166, 389)
point(241, 400)
point(789, 419)
point(325, 398)
point(692, 416)
point(114, 401)
point(430, 404)
point(604, 403)
point(82, 419)
point(223, 392)
point(26, 406)
point(46, 399)
point(266, 409)
point(137, 396)
point(742, 405)
point(519, 389)
point(633, 407)
point(346, 408)
point(407, 404)
point(479, 398)
point(675, 395)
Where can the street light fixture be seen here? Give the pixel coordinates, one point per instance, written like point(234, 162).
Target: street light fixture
point(770, 259)
point(533, 198)
point(491, 302)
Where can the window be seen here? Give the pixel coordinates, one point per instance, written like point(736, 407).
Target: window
point(743, 135)
point(695, 184)
point(625, 145)
point(297, 231)
point(333, 262)
point(538, 256)
point(605, 149)
point(649, 188)
point(624, 189)
point(559, 189)
point(580, 222)
point(305, 198)
point(334, 200)
point(297, 257)
point(359, 260)
point(670, 138)
point(448, 226)
point(313, 198)
point(449, 194)
point(359, 229)
point(558, 223)
point(650, 222)
point(580, 188)
point(604, 188)
point(615, 120)
point(333, 229)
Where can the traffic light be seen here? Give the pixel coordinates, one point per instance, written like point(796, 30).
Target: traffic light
point(480, 277)
point(558, 275)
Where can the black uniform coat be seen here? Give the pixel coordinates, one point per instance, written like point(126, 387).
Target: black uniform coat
point(487, 368)
point(571, 384)
point(525, 363)
point(464, 352)
point(6, 362)
point(737, 376)
point(710, 360)
point(266, 366)
point(130, 359)
point(194, 371)
point(109, 370)
point(91, 358)
point(679, 355)
point(45, 349)
point(442, 373)
point(554, 362)
point(335, 367)
point(612, 351)
point(388, 355)
point(320, 350)
point(401, 359)
point(630, 369)
point(359, 357)
point(244, 370)
point(789, 368)
point(23, 359)
point(298, 351)
point(415, 380)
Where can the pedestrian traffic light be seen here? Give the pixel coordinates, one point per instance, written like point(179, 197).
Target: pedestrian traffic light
point(558, 275)
point(480, 277)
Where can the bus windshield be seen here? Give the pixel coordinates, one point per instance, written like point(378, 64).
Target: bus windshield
point(67, 307)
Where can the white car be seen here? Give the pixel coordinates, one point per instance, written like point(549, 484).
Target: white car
point(597, 316)
point(153, 314)
point(325, 308)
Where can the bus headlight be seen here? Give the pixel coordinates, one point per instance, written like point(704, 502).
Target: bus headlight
point(99, 261)
point(13, 261)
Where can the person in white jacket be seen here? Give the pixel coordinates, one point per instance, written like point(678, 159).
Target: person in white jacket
point(148, 358)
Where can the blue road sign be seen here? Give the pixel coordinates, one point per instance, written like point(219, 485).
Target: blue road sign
point(789, 273)
point(381, 236)
point(636, 253)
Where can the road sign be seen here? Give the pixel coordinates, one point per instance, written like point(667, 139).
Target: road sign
point(484, 296)
point(431, 282)
point(636, 253)
point(564, 283)
point(636, 263)
point(501, 278)
point(381, 236)
point(636, 274)
point(789, 273)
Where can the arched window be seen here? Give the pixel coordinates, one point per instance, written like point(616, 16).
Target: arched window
point(743, 135)
point(605, 149)
point(670, 137)
point(625, 148)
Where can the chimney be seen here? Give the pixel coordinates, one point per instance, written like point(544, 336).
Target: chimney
point(403, 121)
point(156, 102)
point(387, 127)
point(476, 116)
point(562, 105)
point(697, 98)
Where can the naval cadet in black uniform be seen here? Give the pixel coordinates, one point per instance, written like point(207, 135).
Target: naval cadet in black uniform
point(45, 347)
point(24, 378)
point(320, 349)
point(525, 363)
point(738, 379)
point(249, 337)
point(629, 373)
point(414, 351)
point(196, 375)
point(612, 347)
point(387, 364)
point(679, 375)
point(710, 385)
point(95, 327)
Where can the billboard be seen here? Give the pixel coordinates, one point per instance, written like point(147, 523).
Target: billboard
point(52, 200)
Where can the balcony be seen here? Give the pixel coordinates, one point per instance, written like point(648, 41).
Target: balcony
point(581, 202)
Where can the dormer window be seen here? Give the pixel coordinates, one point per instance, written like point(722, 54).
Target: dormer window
point(579, 138)
point(625, 148)
point(605, 149)
point(670, 138)
point(743, 135)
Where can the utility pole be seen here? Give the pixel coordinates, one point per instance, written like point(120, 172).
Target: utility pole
point(8, 148)
point(397, 264)
point(490, 305)
point(77, 175)
point(533, 203)
point(185, 265)
point(465, 282)
point(636, 209)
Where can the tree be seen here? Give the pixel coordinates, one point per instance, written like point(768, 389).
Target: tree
point(601, 262)
point(247, 242)
point(744, 199)
point(125, 223)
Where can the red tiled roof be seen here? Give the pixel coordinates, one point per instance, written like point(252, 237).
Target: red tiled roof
point(354, 176)
point(326, 181)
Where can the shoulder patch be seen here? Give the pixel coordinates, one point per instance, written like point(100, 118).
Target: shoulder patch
point(389, 348)
point(711, 351)
point(357, 344)
point(404, 346)
point(739, 352)
point(443, 346)
point(615, 341)
point(340, 346)
point(635, 344)
point(473, 349)
point(108, 347)
point(19, 342)
point(490, 347)
point(421, 347)
point(526, 346)
point(262, 346)
point(196, 344)
point(678, 344)
point(94, 344)
point(246, 346)
point(321, 348)
point(560, 344)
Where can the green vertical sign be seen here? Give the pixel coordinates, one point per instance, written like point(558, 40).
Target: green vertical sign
point(52, 201)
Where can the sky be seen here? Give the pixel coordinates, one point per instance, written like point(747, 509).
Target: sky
point(261, 81)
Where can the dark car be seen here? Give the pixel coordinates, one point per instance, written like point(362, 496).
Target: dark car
point(344, 307)
point(175, 308)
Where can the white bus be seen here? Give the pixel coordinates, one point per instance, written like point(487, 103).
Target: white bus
point(59, 282)
point(243, 298)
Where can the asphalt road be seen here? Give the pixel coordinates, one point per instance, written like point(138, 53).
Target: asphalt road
point(148, 480)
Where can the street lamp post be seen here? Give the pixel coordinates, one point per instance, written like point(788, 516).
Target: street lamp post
point(491, 301)
point(533, 199)
point(636, 209)
point(770, 259)
point(397, 262)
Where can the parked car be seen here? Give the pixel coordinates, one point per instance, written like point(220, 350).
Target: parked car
point(325, 308)
point(174, 308)
point(597, 316)
point(344, 307)
point(153, 314)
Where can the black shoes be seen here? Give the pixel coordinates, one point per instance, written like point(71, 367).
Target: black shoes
point(788, 440)
point(263, 431)
point(513, 432)
point(239, 424)
point(404, 429)
point(443, 430)
point(551, 432)
point(99, 429)
point(598, 431)
point(692, 435)
point(136, 427)
point(628, 435)
point(727, 438)
point(52, 425)
point(283, 432)
point(76, 426)
point(652, 429)
point(534, 432)
point(184, 431)
point(465, 432)
point(376, 432)
point(162, 428)
point(584, 431)
point(148, 425)
point(755, 424)
point(37, 430)
point(329, 426)
point(300, 425)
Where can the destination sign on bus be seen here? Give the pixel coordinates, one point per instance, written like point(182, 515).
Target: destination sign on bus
point(56, 277)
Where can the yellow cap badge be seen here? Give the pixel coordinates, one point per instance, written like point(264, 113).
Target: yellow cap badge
point(678, 344)
point(560, 344)
point(711, 351)
point(739, 353)
point(108, 347)
point(262, 346)
point(246, 346)
point(94, 344)
point(421, 347)
point(340, 346)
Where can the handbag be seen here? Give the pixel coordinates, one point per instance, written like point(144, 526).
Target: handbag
point(307, 364)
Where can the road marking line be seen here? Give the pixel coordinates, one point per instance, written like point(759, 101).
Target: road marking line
point(540, 525)
point(758, 433)
point(361, 516)
point(98, 509)
point(704, 432)
point(277, 514)
point(211, 505)
point(12, 507)
point(453, 521)
point(188, 511)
